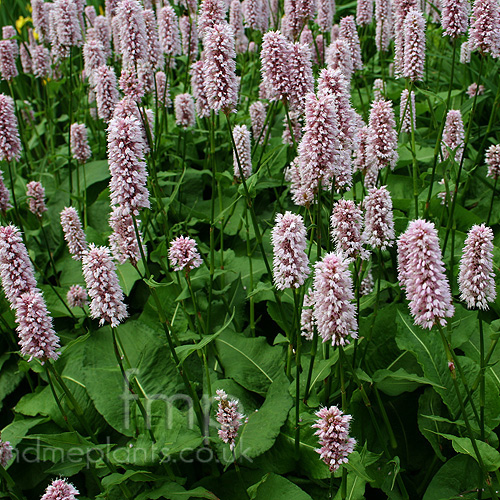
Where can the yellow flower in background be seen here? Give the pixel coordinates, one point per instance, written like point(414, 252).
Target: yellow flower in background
point(21, 21)
point(35, 35)
point(101, 10)
point(28, 7)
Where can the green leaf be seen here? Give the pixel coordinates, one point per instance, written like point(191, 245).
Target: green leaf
point(184, 351)
point(151, 365)
point(132, 475)
point(429, 351)
point(94, 171)
point(259, 434)
point(277, 488)
point(399, 381)
point(251, 362)
point(430, 403)
point(174, 491)
point(17, 430)
point(489, 456)
point(457, 477)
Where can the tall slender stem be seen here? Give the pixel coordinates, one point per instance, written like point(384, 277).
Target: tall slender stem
point(440, 134)
point(450, 356)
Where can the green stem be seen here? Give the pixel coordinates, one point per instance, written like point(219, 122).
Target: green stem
point(437, 147)
point(492, 198)
point(466, 142)
point(482, 387)
point(296, 301)
point(183, 372)
point(450, 356)
point(11, 485)
point(314, 350)
point(119, 359)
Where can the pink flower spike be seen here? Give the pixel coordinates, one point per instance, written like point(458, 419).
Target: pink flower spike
point(228, 417)
point(414, 45)
point(36, 194)
point(123, 240)
point(258, 118)
point(473, 89)
point(132, 31)
point(60, 490)
point(189, 37)
point(291, 264)
point(454, 17)
point(333, 433)
point(349, 33)
point(484, 34)
point(4, 196)
point(40, 61)
point(364, 12)
point(183, 254)
point(184, 111)
point(334, 312)
point(219, 68)
point(5, 453)
point(16, 269)
point(346, 225)
point(103, 286)
point(198, 86)
point(162, 89)
point(130, 84)
point(407, 111)
point(212, 12)
point(379, 223)
point(243, 148)
point(128, 184)
point(169, 32)
point(73, 232)
point(383, 139)
point(106, 91)
point(476, 279)
point(37, 337)
point(79, 143)
point(154, 54)
point(453, 135)
point(493, 161)
point(421, 273)
point(77, 296)
point(10, 143)
point(8, 67)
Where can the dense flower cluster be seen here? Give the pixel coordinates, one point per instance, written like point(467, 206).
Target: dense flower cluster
point(333, 434)
point(79, 142)
point(73, 232)
point(346, 224)
point(184, 110)
point(183, 254)
point(103, 286)
point(16, 270)
point(10, 143)
point(36, 195)
point(219, 68)
point(126, 146)
point(333, 311)
point(453, 135)
point(77, 296)
point(493, 161)
point(242, 155)
point(379, 223)
point(476, 278)
point(421, 273)
point(60, 490)
point(37, 337)
point(291, 265)
point(229, 418)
